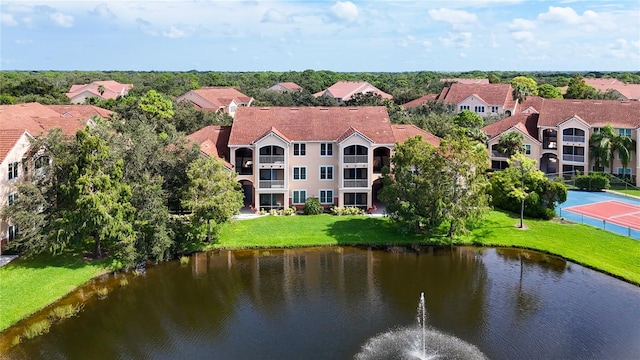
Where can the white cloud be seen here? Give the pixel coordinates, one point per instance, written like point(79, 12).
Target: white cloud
point(103, 11)
point(346, 11)
point(427, 43)
point(623, 49)
point(274, 16)
point(61, 19)
point(463, 55)
point(24, 41)
point(457, 18)
point(7, 20)
point(522, 25)
point(560, 14)
point(174, 33)
point(462, 39)
point(523, 36)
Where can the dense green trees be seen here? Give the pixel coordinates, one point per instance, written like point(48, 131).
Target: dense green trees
point(429, 187)
point(510, 143)
point(549, 91)
point(523, 86)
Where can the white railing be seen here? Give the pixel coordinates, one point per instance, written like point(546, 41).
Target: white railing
point(575, 158)
point(271, 159)
point(572, 138)
point(497, 154)
point(355, 183)
point(271, 184)
point(356, 159)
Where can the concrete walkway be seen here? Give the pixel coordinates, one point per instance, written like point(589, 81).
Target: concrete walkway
point(5, 259)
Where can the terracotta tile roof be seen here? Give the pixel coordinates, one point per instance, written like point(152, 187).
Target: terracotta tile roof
point(527, 123)
point(288, 86)
point(420, 101)
point(492, 94)
point(350, 131)
point(597, 113)
point(112, 89)
point(311, 123)
point(81, 111)
point(629, 91)
point(37, 118)
point(346, 89)
point(216, 97)
point(531, 104)
point(213, 140)
point(465, 81)
point(403, 132)
point(8, 139)
point(274, 131)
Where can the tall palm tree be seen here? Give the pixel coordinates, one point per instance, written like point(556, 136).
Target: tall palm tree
point(511, 143)
point(624, 145)
point(602, 146)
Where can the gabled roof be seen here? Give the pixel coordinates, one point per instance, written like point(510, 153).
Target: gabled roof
point(420, 101)
point(286, 86)
point(346, 89)
point(8, 139)
point(213, 140)
point(311, 123)
point(629, 91)
point(112, 89)
point(597, 113)
point(402, 132)
point(492, 94)
point(527, 123)
point(219, 96)
point(350, 132)
point(465, 81)
point(275, 132)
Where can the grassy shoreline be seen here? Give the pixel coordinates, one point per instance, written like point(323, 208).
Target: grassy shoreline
point(28, 285)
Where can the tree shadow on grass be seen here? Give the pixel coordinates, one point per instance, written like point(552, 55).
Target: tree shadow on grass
point(369, 231)
point(73, 258)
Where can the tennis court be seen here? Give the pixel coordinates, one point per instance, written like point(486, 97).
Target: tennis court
point(613, 211)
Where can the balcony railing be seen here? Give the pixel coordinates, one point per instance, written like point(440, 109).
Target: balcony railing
point(356, 159)
point(271, 184)
point(574, 158)
point(572, 138)
point(355, 183)
point(272, 159)
point(497, 154)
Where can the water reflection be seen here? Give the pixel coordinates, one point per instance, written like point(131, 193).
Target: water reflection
point(327, 302)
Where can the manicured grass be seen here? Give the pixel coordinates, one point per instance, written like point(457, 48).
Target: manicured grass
point(634, 192)
point(28, 285)
point(601, 250)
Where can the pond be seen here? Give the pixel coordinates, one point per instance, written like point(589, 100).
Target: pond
point(327, 303)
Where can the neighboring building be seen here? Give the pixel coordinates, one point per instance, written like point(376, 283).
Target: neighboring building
point(285, 155)
point(625, 91)
point(423, 100)
point(465, 81)
point(223, 99)
point(343, 90)
point(557, 133)
point(286, 87)
point(20, 124)
point(98, 89)
point(483, 99)
point(213, 141)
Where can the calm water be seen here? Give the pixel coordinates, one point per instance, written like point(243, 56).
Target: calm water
point(326, 303)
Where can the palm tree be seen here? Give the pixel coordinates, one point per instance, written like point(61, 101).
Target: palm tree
point(101, 89)
point(602, 146)
point(624, 145)
point(510, 143)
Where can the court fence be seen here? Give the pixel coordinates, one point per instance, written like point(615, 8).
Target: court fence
point(599, 223)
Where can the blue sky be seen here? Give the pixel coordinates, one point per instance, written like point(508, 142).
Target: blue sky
point(453, 35)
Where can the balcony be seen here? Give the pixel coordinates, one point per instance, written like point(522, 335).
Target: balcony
point(573, 138)
point(497, 154)
point(355, 183)
point(272, 159)
point(574, 158)
point(271, 184)
point(356, 159)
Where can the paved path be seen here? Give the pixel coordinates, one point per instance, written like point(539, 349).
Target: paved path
point(5, 259)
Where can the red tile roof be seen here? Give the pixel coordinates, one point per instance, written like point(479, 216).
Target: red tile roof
point(215, 97)
point(492, 94)
point(346, 89)
point(213, 140)
point(465, 81)
point(527, 123)
point(311, 123)
point(403, 132)
point(8, 139)
point(420, 101)
point(112, 89)
point(288, 86)
point(597, 113)
point(629, 91)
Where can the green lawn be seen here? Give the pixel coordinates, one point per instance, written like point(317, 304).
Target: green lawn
point(28, 285)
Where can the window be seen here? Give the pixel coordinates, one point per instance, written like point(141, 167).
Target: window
point(299, 173)
point(627, 171)
point(13, 170)
point(299, 196)
point(12, 232)
point(355, 199)
point(479, 109)
point(326, 172)
point(527, 149)
point(326, 149)
point(12, 198)
point(464, 107)
point(326, 196)
point(494, 109)
point(624, 132)
point(299, 149)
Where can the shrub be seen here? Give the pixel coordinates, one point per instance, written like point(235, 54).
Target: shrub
point(184, 260)
point(65, 311)
point(592, 182)
point(102, 293)
point(37, 329)
point(344, 211)
point(313, 207)
point(273, 212)
point(288, 211)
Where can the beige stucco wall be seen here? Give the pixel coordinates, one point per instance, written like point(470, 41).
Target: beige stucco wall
point(473, 101)
point(7, 187)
